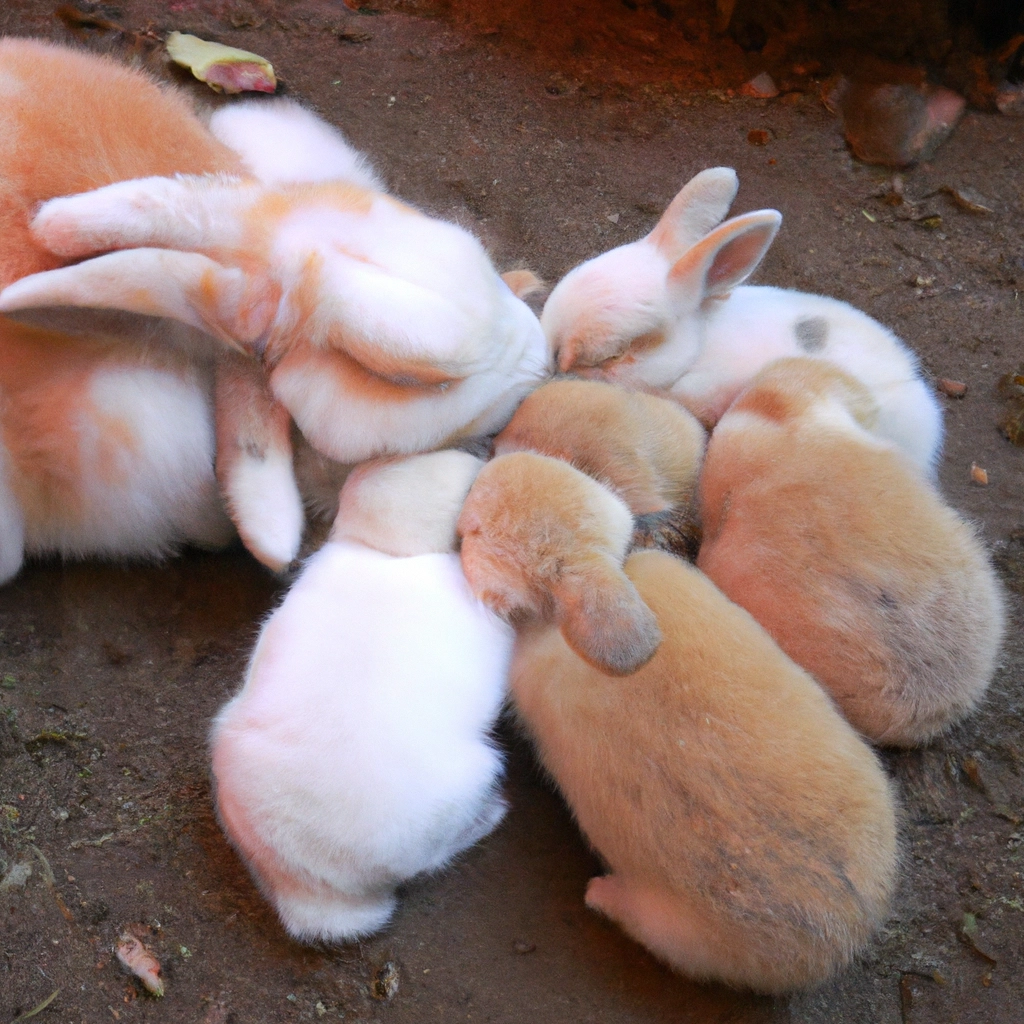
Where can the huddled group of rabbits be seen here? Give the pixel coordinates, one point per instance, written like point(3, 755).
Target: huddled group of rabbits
point(274, 317)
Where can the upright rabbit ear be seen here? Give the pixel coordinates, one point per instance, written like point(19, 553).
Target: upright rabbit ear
point(233, 306)
point(723, 259)
point(603, 618)
point(254, 462)
point(700, 206)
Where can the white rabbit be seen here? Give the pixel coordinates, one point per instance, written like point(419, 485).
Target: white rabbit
point(378, 329)
point(356, 754)
point(668, 312)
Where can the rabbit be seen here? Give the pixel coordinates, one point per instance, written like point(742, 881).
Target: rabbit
point(356, 754)
point(825, 533)
point(107, 445)
point(447, 348)
point(748, 833)
point(670, 312)
point(648, 450)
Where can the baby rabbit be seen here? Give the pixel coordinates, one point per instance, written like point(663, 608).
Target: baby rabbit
point(646, 449)
point(851, 561)
point(356, 754)
point(667, 312)
point(377, 328)
point(748, 833)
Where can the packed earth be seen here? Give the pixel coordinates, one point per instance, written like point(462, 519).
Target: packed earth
point(555, 132)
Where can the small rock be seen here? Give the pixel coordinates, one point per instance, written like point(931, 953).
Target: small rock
point(896, 125)
point(760, 87)
point(979, 476)
point(1010, 100)
point(524, 947)
point(951, 388)
point(758, 137)
point(18, 875)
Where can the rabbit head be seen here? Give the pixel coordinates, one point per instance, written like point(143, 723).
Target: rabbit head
point(793, 388)
point(542, 539)
point(382, 330)
point(647, 449)
point(632, 315)
point(406, 506)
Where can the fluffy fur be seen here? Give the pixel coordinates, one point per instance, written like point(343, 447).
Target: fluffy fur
point(378, 329)
point(646, 449)
point(863, 575)
point(748, 833)
point(539, 538)
point(356, 754)
point(667, 312)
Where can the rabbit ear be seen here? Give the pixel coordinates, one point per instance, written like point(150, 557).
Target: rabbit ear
point(604, 620)
point(226, 302)
point(723, 259)
point(700, 206)
point(399, 329)
point(185, 212)
point(254, 462)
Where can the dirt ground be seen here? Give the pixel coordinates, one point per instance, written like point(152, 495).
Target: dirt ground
point(555, 131)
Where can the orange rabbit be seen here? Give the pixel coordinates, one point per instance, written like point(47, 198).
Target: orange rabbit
point(376, 328)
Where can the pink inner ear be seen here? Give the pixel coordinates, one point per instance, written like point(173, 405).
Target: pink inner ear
point(735, 261)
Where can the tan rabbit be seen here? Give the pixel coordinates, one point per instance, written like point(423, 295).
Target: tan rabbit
point(862, 574)
point(647, 449)
point(749, 833)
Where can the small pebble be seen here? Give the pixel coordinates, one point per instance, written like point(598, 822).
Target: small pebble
point(979, 475)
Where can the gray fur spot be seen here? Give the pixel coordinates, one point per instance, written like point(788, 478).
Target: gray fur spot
point(811, 333)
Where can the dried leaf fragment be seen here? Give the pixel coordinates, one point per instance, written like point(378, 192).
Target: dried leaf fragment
point(966, 199)
point(222, 68)
point(38, 1008)
point(969, 933)
point(384, 983)
point(140, 961)
point(979, 475)
point(951, 388)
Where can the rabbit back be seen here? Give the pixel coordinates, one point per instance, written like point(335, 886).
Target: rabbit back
point(368, 703)
point(856, 567)
point(749, 833)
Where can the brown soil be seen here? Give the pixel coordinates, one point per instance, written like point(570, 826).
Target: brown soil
point(556, 131)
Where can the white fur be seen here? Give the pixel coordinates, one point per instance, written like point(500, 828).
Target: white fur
point(263, 495)
point(356, 754)
point(703, 338)
point(12, 526)
point(281, 142)
point(152, 493)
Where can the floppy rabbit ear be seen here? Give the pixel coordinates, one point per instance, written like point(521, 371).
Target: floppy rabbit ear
point(185, 212)
point(397, 328)
point(226, 302)
point(604, 620)
point(254, 462)
point(723, 259)
point(700, 206)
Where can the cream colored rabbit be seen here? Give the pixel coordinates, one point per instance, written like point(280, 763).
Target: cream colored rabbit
point(646, 449)
point(357, 753)
point(748, 833)
point(853, 563)
point(668, 312)
point(376, 328)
